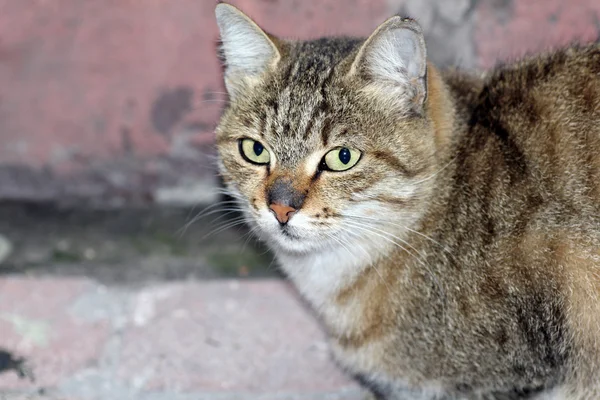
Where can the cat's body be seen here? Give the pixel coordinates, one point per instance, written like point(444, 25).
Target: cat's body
point(459, 257)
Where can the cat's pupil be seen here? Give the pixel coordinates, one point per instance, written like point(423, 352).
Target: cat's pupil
point(345, 155)
point(258, 148)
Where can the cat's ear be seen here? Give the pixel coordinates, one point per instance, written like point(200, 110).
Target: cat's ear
point(247, 50)
point(395, 57)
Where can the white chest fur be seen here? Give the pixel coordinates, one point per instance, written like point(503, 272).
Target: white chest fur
point(320, 276)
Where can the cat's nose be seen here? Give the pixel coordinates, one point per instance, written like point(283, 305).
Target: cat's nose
point(282, 212)
point(284, 199)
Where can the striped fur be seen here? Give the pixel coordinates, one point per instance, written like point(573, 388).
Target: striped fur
point(460, 258)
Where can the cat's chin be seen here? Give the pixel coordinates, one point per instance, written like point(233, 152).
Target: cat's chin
point(295, 245)
point(285, 244)
point(292, 240)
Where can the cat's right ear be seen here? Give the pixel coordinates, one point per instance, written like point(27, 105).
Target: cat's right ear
point(248, 52)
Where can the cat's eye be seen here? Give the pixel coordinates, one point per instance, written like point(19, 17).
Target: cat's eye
point(340, 159)
point(254, 152)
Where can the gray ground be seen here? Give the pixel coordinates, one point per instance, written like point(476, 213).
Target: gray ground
point(122, 305)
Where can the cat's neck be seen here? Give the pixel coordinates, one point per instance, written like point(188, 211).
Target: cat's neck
point(320, 275)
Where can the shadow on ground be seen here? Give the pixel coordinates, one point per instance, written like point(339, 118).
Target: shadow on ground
point(161, 243)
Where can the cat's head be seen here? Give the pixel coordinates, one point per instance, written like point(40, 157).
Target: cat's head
point(327, 142)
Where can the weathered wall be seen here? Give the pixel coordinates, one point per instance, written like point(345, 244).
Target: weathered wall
point(111, 102)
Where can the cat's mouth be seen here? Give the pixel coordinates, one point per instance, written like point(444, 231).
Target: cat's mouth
point(289, 238)
point(296, 235)
point(287, 232)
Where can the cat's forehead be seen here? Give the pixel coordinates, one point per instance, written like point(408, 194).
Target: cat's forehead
point(309, 69)
point(299, 106)
point(293, 121)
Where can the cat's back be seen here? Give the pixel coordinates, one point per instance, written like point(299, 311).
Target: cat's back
point(536, 123)
point(523, 208)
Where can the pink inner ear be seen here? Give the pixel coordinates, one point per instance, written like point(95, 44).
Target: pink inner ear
point(396, 55)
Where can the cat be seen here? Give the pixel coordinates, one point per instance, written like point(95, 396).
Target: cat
point(444, 227)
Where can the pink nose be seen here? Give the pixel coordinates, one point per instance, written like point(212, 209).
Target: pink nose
point(282, 213)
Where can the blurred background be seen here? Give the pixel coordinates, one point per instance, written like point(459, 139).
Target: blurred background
point(121, 276)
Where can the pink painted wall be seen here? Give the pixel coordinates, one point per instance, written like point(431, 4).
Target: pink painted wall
point(110, 102)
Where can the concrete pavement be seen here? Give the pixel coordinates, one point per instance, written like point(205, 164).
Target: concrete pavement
point(218, 339)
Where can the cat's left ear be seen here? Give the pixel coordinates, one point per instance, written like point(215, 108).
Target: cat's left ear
point(248, 51)
point(394, 58)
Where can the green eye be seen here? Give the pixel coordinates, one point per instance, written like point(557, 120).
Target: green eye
point(340, 159)
point(254, 152)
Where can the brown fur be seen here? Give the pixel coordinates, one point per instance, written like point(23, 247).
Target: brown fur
point(477, 205)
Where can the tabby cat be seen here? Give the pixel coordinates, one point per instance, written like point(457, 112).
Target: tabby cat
point(444, 227)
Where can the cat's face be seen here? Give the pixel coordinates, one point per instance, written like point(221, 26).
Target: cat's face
point(317, 146)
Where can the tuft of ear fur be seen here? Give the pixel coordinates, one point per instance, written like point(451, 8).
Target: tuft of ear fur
point(394, 58)
point(247, 50)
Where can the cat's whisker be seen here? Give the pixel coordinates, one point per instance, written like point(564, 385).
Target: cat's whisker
point(213, 96)
point(330, 236)
point(366, 198)
point(377, 220)
point(341, 243)
point(364, 227)
point(233, 200)
point(207, 213)
point(250, 234)
point(435, 173)
point(234, 196)
point(227, 225)
point(198, 104)
point(233, 193)
point(388, 234)
point(216, 93)
point(220, 217)
point(268, 250)
point(222, 190)
point(182, 230)
point(224, 226)
point(427, 267)
point(372, 265)
point(428, 238)
point(419, 256)
point(271, 263)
